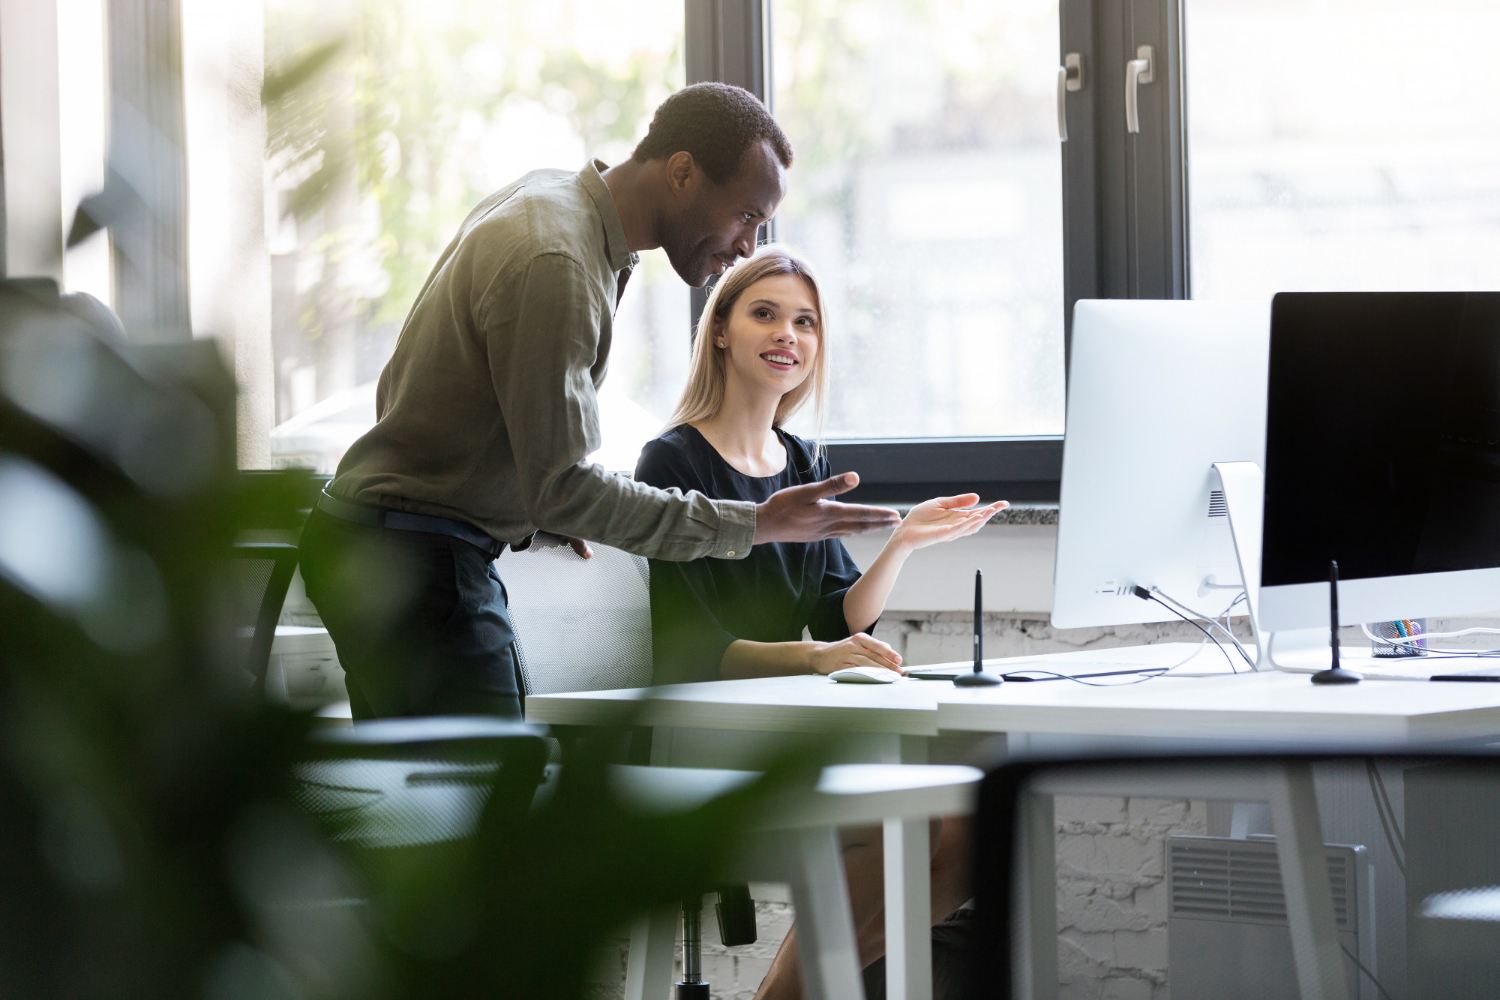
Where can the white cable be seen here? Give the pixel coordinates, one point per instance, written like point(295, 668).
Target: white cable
point(1412, 641)
point(1445, 635)
point(1212, 621)
point(1271, 657)
point(1190, 657)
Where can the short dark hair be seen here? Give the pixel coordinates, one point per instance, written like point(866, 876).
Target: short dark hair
point(716, 123)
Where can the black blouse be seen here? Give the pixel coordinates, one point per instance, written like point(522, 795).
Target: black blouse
point(698, 608)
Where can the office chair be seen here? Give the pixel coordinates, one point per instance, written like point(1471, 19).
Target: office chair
point(580, 624)
point(259, 576)
point(406, 799)
point(395, 783)
point(585, 625)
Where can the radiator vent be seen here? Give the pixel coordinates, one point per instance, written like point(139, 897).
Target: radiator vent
point(1216, 505)
point(1241, 880)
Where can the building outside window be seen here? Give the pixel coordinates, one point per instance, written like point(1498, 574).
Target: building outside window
point(1346, 145)
point(388, 121)
point(927, 192)
point(927, 188)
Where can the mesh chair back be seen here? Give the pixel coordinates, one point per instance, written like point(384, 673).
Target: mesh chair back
point(580, 624)
point(259, 576)
point(400, 783)
point(394, 803)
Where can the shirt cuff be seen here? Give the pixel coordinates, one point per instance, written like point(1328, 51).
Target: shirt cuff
point(736, 532)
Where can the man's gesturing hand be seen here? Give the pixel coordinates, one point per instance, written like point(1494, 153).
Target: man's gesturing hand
point(805, 514)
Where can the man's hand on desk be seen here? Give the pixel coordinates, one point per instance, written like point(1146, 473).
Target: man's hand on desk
point(805, 514)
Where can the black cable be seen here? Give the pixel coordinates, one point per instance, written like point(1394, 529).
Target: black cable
point(1368, 974)
point(1385, 825)
point(1228, 613)
point(1386, 810)
point(1390, 810)
point(1182, 609)
point(1146, 595)
point(1142, 674)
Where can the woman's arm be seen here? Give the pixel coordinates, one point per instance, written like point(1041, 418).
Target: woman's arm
point(744, 658)
point(941, 519)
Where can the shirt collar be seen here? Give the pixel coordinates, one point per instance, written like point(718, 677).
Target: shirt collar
point(620, 255)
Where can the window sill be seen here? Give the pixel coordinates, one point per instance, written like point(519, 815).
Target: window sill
point(1015, 514)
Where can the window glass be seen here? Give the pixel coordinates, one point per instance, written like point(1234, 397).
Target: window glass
point(388, 120)
point(927, 192)
point(82, 132)
point(1342, 145)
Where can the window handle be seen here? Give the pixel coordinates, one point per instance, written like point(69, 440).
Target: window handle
point(1069, 78)
point(1137, 72)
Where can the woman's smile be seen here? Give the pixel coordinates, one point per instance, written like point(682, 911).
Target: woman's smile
point(782, 361)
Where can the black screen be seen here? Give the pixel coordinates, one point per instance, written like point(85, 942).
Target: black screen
point(1382, 434)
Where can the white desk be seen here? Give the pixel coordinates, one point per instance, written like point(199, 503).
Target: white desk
point(800, 704)
point(714, 724)
point(1263, 708)
point(1273, 709)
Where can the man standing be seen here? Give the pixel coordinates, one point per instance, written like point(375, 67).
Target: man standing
point(487, 410)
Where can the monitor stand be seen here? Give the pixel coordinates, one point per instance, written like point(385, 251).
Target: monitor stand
point(1244, 486)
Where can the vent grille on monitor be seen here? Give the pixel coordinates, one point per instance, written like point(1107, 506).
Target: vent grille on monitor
point(1216, 505)
point(1241, 880)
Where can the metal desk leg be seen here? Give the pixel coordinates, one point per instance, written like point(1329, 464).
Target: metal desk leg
point(826, 949)
point(908, 909)
point(1304, 878)
point(1035, 907)
point(653, 939)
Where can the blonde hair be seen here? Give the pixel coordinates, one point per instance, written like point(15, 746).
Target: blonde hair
point(704, 394)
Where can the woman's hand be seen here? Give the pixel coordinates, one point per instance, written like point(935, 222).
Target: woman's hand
point(943, 519)
point(859, 650)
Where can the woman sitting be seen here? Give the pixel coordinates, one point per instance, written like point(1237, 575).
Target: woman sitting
point(760, 353)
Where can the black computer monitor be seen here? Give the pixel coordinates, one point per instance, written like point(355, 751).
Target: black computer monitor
point(1383, 452)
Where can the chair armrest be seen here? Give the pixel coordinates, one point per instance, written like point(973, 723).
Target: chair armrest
point(432, 731)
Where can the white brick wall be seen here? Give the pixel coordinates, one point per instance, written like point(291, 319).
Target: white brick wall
point(1111, 894)
point(947, 636)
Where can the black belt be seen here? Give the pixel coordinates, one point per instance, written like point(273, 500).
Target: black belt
point(380, 517)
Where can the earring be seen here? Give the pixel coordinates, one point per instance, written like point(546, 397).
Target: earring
point(721, 343)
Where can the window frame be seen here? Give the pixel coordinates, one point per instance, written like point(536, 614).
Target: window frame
point(1125, 225)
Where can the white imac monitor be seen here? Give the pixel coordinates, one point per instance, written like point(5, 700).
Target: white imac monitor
point(1382, 452)
point(1158, 391)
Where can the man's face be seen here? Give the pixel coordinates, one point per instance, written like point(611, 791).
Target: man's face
point(715, 224)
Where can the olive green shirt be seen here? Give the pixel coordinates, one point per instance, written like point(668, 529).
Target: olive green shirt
point(487, 408)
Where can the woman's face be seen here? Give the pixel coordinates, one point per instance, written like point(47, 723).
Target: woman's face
point(771, 337)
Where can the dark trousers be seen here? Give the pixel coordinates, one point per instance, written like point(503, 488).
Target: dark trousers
point(419, 619)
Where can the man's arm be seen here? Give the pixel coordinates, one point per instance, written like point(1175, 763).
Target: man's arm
point(806, 514)
point(540, 357)
point(540, 351)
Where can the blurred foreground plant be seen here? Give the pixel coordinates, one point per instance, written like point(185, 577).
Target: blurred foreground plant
point(150, 844)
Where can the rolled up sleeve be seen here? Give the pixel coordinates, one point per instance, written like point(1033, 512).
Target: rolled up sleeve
point(541, 358)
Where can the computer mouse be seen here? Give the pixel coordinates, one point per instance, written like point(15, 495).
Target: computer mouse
point(864, 675)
